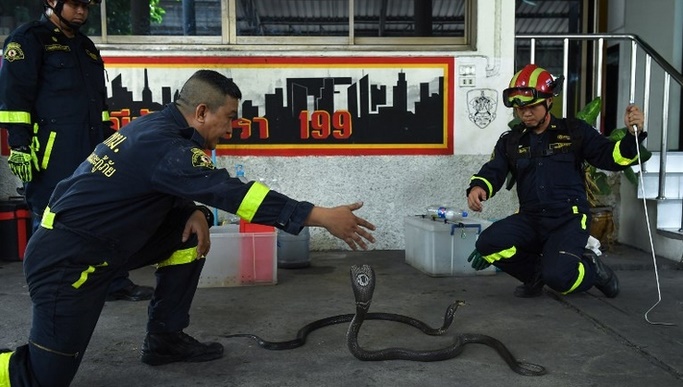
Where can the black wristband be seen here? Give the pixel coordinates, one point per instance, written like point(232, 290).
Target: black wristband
point(207, 213)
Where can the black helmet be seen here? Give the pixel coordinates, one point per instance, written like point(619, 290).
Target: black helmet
point(60, 5)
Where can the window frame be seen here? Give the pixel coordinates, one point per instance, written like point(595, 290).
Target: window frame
point(229, 37)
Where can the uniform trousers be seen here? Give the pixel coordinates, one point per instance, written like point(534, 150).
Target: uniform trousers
point(526, 244)
point(68, 275)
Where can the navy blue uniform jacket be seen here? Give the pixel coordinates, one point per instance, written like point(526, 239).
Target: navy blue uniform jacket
point(554, 181)
point(127, 186)
point(52, 97)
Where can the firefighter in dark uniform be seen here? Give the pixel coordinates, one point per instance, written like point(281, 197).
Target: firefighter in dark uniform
point(53, 103)
point(132, 204)
point(544, 242)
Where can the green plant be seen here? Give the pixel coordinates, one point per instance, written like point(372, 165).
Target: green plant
point(119, 17)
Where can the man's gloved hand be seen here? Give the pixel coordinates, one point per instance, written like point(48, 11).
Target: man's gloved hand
point(478, 262)
point(20, 160)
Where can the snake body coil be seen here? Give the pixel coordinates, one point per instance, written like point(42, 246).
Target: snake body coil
point(363, 283)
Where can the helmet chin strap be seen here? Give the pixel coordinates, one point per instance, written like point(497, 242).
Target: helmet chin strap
point(57, 10)
point(542, 121)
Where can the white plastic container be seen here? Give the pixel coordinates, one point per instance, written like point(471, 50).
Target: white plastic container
point(238, 259)
point(439, 248)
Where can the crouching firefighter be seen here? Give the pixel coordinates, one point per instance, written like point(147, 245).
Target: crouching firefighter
point(544, 242)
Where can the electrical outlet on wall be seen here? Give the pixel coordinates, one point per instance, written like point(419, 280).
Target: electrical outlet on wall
point(467, 76)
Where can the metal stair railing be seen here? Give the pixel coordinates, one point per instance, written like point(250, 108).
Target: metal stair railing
point(636, 43)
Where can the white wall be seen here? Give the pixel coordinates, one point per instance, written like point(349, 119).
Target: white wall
point(8, 182)
point(393, 187)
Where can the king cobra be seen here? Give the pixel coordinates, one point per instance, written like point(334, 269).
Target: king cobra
point(363, 283)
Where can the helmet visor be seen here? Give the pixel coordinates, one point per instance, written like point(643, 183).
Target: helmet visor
point(523, 96)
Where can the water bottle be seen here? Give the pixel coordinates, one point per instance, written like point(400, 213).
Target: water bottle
point(446, 213)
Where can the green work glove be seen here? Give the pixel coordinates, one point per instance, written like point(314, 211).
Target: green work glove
point(20, 160)
point(478, 262)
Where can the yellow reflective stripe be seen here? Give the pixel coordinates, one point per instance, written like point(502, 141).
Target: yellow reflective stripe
point(15, 117)
point(579, 279)
point(252, 200)
point(4, 368)
point(48, 219)
point(619, 159)
point(84, 275)
point(507, 253)
point(48, 150)
point(105, 115)
point(490, 187)
point(575, 210)
point(180, 257)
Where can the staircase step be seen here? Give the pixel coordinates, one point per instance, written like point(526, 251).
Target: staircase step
point(673, 185)
point(669, 213)
point(673, 233)
point(674, 162)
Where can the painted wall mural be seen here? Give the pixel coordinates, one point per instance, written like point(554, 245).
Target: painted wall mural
point(295, 106)
point(481, 106)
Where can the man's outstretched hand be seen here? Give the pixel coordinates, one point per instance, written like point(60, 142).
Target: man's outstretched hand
point(341, 222)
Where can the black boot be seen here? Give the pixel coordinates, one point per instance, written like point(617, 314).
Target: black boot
point(170, 347)
point(529, 290)
point(606, 280)
point(132, 292)
point(533, 287)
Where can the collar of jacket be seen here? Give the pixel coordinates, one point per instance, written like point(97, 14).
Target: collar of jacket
point(187, 132)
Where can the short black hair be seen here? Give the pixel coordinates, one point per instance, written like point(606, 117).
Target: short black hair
point(207, 87)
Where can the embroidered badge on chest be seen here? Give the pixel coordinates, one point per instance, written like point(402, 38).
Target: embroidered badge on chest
point(91, 55)
point(200, 159)
point(13, 52)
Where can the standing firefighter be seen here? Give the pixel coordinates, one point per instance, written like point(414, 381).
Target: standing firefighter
point(53, 103)
point(544, 242)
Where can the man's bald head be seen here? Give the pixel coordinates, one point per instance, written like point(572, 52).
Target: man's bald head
point(206, 87)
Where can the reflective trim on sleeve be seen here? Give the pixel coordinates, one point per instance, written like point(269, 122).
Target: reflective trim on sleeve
point(619, 159)
point(579, 279)
point(584, 218)
point(105, 115)
point(4, 368)
point(48, 150)
point(48, 219)
point(7, 117)
point(180, 257)
point(490, 187)
point(85, 273)
point(504, 254)
point(252, 200)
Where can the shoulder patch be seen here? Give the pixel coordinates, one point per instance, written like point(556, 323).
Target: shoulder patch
point(13, 52)
point(201, 160)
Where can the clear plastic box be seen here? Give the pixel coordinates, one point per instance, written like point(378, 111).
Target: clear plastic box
point(238, 259)
point(440, 248)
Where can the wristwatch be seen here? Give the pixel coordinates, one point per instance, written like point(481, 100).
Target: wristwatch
point(207, 213)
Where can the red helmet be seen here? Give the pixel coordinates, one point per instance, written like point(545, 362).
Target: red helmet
point(530, 86)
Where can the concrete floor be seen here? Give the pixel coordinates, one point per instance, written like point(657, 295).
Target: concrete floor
point(582, 340)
